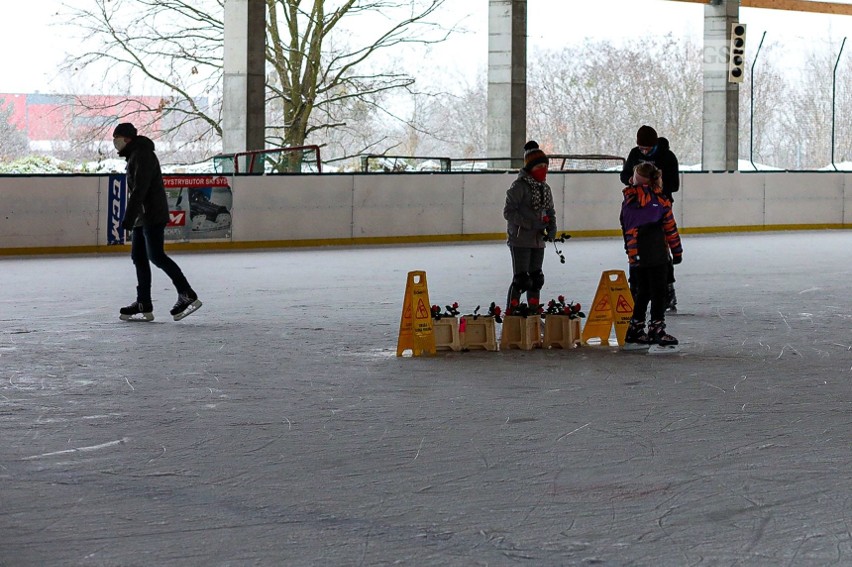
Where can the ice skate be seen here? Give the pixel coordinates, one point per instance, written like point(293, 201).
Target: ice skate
point(187, 304)
point(661, 342)
point(636, 337)
point(137, 311)
point(671, 299)
point(207, 216)
point(200, 204)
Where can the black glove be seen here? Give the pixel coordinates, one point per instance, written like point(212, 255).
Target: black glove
point(128, 224)
point(550, 233)
point(539, 225)
point(677, 259)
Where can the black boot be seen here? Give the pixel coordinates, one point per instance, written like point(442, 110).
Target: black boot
point(657, 334)
point(137, 311)
point(671, 299)
point(636, 337)
point(187, 303)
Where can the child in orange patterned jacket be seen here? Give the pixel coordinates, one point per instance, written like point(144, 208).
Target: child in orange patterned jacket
point(650, 235)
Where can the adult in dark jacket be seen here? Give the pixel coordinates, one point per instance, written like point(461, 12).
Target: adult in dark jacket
point(653, 149)
point(531, 220)
point(145, 218)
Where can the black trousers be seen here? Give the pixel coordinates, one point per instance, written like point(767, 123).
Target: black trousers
point(525, 260)
point(650, 284)
point(147, 244)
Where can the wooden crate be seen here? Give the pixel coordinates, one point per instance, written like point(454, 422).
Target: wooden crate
point(522, 333)
point(446, 331)
point(561, 331)
point(478, 333)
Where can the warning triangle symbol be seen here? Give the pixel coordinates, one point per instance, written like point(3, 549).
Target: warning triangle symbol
point(623, 306)
point(603, 304)
point(422, 312)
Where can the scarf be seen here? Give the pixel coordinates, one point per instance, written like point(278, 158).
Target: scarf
point(541, 196)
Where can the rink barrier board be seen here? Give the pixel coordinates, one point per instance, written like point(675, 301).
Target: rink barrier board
point(67, 214)
point(215, 246)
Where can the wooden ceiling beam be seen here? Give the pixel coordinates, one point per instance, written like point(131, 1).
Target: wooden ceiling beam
point(790, 5)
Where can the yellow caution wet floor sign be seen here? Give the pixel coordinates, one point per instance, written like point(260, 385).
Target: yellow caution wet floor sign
point(613, 305)
point(415, 327)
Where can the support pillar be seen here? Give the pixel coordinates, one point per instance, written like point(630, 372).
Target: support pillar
point(720, 128)
point(244, 88)
point(507, 81)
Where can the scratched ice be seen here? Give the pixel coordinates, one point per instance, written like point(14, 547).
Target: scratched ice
point(276, 426)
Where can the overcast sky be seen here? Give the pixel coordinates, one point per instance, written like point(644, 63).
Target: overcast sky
point(34, 41)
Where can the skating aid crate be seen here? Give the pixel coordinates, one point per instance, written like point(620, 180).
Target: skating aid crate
point(522, 333)
point(561, 331)
point(478, 333)
point(446, 331)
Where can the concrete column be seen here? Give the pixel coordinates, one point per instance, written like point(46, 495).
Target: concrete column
point(244, 95)
point(507, 81)
point(720, 129)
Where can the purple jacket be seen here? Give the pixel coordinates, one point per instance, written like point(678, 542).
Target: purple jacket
point(648, 226)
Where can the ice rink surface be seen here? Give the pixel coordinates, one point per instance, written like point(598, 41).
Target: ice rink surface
point(276, 426)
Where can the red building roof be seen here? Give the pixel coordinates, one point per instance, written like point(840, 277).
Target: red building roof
point(68, 117)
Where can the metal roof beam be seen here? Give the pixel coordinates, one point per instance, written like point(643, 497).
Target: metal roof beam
point(790, 5)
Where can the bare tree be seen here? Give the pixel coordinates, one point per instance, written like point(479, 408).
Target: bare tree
point(806, 118)
point(455, 121)
point(843, 109)
point(764, 128)
point(13, 142)
point(172, 46)
point(806, 121)
point(329, 85)
point(319, 80)
point(590, 99)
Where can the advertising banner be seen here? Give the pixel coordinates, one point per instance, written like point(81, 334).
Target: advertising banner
point(115, 210)
point(199, 207)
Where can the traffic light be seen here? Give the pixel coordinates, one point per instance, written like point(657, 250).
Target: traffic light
point(736, 53)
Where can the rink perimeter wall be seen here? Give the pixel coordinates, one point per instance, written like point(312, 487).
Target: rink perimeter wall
point(50, 214)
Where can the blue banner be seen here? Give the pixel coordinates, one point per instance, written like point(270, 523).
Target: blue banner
point(117, 202)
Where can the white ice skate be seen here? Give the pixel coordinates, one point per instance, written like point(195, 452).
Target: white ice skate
point(661, 341)
point(664, 349)
point(636, 339)
point(187, 304)
point(137, 311)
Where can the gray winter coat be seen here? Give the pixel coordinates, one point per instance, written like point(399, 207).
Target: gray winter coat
point(525, 227)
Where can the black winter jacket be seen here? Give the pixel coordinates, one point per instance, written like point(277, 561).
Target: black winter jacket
point(146, 193)
point(663, 158)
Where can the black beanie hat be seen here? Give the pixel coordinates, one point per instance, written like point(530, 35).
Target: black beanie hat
point(125, 129)
point(533, 155)
point(646, 137)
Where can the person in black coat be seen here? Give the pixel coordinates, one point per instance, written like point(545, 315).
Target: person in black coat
point(656, 150)
point(145, 218)
point(651, 148)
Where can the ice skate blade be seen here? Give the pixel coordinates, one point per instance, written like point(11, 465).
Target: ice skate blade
point(661, 349)
point(192, 308)
point(138, 318)
point(635, 347)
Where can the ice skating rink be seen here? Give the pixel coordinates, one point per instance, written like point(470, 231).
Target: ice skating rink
point(276, 426)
